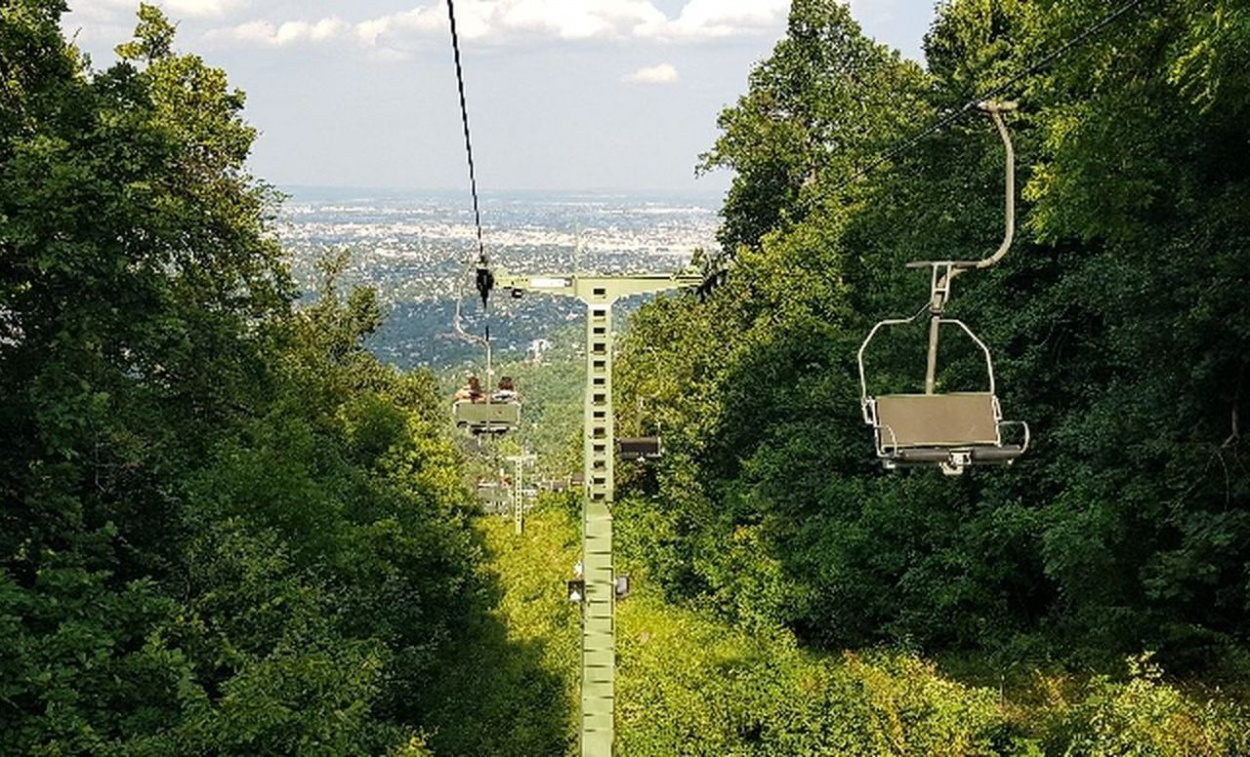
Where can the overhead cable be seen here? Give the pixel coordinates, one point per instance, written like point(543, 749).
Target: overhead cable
point(954, 115)
point(468, 141)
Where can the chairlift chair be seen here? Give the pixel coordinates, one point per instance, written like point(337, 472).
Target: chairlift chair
point(487, 417)
point(495, 497)
point(949, 430)
point(640, 448)
point(481, 411)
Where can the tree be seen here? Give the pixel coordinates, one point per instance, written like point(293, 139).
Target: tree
point(1115, 322)
point(825, 98)
point(227, 527)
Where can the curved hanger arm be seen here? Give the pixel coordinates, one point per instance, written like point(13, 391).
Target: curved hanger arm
point(457, 319)
point(996, 110)
point(458, 328)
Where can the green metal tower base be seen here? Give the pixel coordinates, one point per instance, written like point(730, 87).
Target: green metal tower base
point(599, 442)
point(598, 624)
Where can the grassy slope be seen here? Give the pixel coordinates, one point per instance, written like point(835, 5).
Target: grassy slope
point(691, 685)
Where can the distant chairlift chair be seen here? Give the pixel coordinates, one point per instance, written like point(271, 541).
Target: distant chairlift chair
point(495, 497)
point(952, 430)
point(487, 417)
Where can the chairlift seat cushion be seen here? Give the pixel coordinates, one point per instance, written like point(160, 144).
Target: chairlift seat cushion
point(1004, 454)
point(481, 414)
point(938, 420)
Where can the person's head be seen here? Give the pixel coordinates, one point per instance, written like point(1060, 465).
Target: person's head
point(506, 384)
point(475, 384)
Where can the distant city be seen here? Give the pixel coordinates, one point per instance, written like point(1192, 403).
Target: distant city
point(415, 247)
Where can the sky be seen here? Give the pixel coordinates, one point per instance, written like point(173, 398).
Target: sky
point(569, 95)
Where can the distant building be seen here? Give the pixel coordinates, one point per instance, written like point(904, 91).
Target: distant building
point(537, 348)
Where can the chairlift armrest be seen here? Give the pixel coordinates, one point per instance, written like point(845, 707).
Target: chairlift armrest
point(881, 448)
point(868, 408)
point(1024, 446)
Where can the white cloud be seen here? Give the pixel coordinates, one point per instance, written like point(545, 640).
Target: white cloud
point(104, 7)
point(500, 22)
point(664, 73)
point(290, 32)
point(175, 9)
point(727, 18)
point(577, 19)
point(504, 21)
point(202, 8)
point(383, 32)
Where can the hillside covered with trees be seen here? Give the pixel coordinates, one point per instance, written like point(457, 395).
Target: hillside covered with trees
point(1118, 320)
point(226, 528)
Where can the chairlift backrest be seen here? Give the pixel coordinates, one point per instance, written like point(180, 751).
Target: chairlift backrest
point(938, 420)
point(639, 447)
point(487, 416)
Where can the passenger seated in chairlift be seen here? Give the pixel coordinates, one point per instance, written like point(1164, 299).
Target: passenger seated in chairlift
point(506, 391)
point(471, 391)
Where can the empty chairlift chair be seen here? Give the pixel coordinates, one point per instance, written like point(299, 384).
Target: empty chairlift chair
point(952, 430)
point(494, 496)
point(948, 430)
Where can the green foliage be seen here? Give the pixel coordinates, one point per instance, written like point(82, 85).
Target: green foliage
point(1117, 324)
point(228, 528)
point(689, 686)
point(76, 663)
point(511, 685)
point(257, 641)
point(1140, 716)
point(825, 96)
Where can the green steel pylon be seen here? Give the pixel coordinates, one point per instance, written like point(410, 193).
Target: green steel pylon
point(599, 442)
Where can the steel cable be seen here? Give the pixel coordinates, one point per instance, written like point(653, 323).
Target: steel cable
point(468, 141)
point(971, 105)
